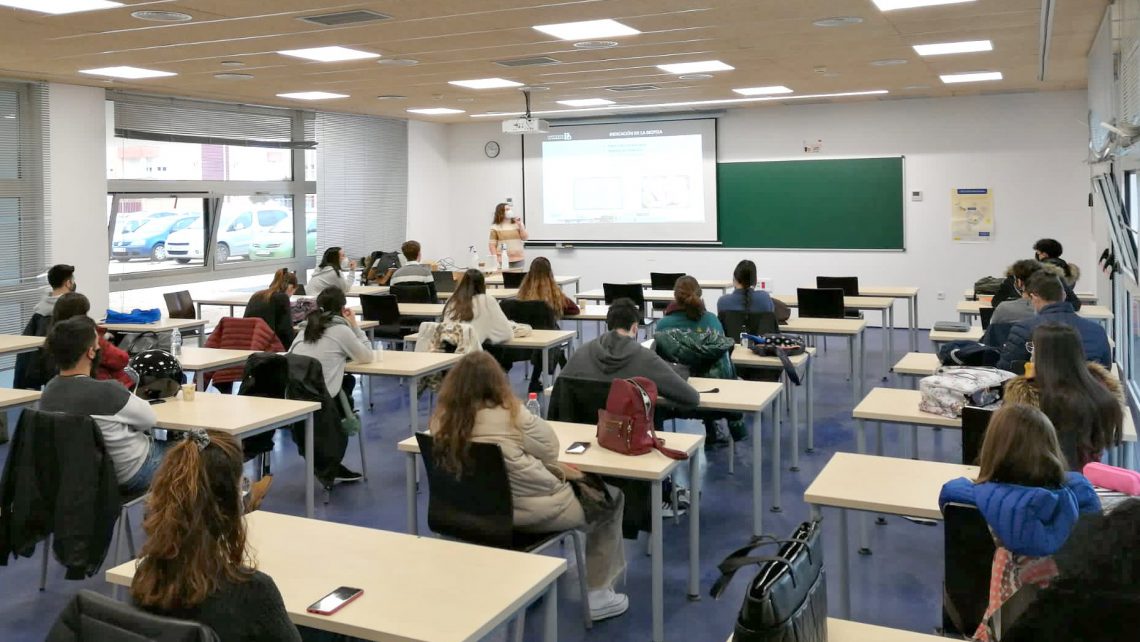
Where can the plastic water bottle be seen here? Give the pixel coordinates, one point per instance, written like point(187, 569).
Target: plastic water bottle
point(532, 404)
point(380, 351)
point(176, 343)
point(472, 257)
point(504, 258)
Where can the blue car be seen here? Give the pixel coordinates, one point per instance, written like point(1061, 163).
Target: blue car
point(149, 240)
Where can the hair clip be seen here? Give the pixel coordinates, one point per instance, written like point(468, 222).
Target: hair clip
point(201, 438)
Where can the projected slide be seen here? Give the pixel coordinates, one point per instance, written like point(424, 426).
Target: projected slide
point(623, 182)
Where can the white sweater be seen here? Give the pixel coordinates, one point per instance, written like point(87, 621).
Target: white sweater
point(489, 323)
point(325, 278)
point(339, 344)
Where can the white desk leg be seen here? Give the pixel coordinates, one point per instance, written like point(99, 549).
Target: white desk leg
point(757, 477)
point(912, 306)
point(546, 379)
point(694, 529)
point(795, 426)
point(862, 364)
point(198, 307)
point(414, 403)
point(851, 350)
point(844, 566)
point(890, 338)
point(200, 381)
point(861, 446)
point(658, 571)
point(810, 404)
point(410, 493)
point(777, 465)
point(886, 342)
point(550, 613)
point(309, 456)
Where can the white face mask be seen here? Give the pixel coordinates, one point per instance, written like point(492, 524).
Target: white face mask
point(344, 264)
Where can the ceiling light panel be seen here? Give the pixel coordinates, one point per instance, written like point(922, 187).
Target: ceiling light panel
point(891, 5)
point(435, 111)
point(587, 30)
point(692, 103)
point(60, 7)
point(976, 76)
point(485, 83)
point(695, 67)
point(945, 48)
point(312, 95)
point(329, 54)
point(130, 73)
point(763, 91)
point(586, 102)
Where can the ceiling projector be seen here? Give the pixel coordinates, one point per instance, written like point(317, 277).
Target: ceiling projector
point(525, 126)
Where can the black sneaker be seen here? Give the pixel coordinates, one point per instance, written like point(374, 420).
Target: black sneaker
point(343, 474)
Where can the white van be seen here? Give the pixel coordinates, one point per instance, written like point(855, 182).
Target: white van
point(234, 239)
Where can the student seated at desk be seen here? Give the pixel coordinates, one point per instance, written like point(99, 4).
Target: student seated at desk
point(1049, 251)
point(1096, 595)
point(335, 271)
point(744, 296)
point(61, 279)
point(1028, 500)
point(33, 369)
point(195, 564)
point(1081, 398)
point(1048, 298)
point(124, 419)
point(476, 405)
point(470, 304)
point(112, 359)
point(539, 285)
point(1013, 289)
point(272, 305)
point(411, 270)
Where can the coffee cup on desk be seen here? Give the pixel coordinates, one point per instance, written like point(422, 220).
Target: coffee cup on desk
point(188, 392)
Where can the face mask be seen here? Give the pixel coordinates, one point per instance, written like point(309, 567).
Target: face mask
point(72, 288)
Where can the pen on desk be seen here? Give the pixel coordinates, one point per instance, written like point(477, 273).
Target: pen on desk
point(708, 392)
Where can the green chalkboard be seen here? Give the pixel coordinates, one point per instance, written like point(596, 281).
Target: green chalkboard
point(850, 204)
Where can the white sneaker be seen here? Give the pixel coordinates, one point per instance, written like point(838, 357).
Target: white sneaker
point(606, 604)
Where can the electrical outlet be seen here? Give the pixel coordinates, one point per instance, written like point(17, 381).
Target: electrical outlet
point(941, 296)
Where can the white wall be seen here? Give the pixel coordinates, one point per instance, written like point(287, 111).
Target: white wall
point(78, 193)
point(429, 199)
point(1029, 148)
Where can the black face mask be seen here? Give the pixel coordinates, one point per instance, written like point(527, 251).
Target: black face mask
point(95, 361)
point(73, 286)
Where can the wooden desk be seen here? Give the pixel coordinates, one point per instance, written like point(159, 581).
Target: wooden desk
point(917, 364)
point(162, 325)
point(942, 336)
point(404, 364)
point(405, 580)
point(11, 398)
point(15, 344)
point(543, 340)
point(496, 280)
point(202, 360)
point(706, 284)
point(597, 313)
point(884, 305)
point(882, 485)
point(494, 293)
point(652, 467)
point(358, 289)
point(242, 417)
point(745, 358)
point(651, 296)
point(910, 294)
point(848, 631)
point(419, 310)
point(967, 310)
point(851, 329)
point(1085, 297)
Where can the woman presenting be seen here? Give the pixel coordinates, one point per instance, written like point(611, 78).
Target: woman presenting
point(509, 229)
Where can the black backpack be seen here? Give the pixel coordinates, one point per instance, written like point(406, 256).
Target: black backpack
point(968, 353)
point(379, 263)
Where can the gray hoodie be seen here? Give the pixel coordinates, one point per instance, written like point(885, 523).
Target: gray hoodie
point(613, 356)
point(339, 344)
point(47, 306)
point(325, 278)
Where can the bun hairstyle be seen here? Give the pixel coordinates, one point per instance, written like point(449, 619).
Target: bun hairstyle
point(687, 294)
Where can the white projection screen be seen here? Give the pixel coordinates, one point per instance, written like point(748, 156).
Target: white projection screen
point(622, 182)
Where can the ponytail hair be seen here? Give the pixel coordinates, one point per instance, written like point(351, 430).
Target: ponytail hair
point(282, 279)
point(745, 275)
point(330, 302)
point(687, 294)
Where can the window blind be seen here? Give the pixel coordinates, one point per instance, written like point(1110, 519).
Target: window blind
point(362, 182)
point(185, 121)
point(1102, 87)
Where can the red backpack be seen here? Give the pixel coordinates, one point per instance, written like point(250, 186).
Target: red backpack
point(625, 425)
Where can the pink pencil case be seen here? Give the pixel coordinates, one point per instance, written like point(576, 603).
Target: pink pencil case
point(1113, 478)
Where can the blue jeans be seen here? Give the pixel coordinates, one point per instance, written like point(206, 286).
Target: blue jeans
point(140, 482)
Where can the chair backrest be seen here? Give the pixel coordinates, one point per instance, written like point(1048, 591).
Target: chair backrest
point(475, 507)
point(820, 303)
point(578, 400)
point(968, 557)
point(664, 280)
point(299, 290)
point(382, 308)
point(986, 314)
point(412, 293)
point(849, 284)
point(90, 616)
point(974, 423)
point(615, 291)
point(513, 280)
point(179, 305)
point(735, 322)
point(536, 314)
point(444, 280)
point(1013, 608)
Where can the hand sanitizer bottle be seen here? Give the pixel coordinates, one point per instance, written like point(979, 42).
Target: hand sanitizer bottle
point(504, 258)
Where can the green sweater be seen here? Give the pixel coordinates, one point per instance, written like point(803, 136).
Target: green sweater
point(677, 320)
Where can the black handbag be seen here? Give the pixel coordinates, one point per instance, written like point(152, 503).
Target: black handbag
point(778, 345)
point(787, 599)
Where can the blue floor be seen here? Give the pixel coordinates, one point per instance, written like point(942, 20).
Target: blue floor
point(899, 585)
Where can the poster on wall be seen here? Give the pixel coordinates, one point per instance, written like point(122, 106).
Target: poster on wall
point(972, 215)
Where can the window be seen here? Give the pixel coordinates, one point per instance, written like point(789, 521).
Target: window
point(310, 225)
point(155, 234)
point(161, 160)
point(255, 227)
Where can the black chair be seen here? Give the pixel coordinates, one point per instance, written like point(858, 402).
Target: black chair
point(513, 280)
point(477, 508)
point(538, 315)
point(968, 553)
point(974, 423)
point(299, 290)
point(663, 281)
point(444, 281)
point(414, 293)
point(180, 305)
point(753, 323)
point(1003, 621)
point(820, 303)
point(850, 287)
point(385, 310)
point(634, 291)
point(986, 314)
point(91, 617)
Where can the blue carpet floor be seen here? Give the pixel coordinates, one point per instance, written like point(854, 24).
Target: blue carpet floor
point(899, 585)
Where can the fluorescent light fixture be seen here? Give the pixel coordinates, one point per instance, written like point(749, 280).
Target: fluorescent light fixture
point(435, 111)
point(691, 103)
point(975, 76)
point(695, 67)
point(763, 91)
point(131, 73)
point(586, 102)
point(586, 30)
point(59, 7)
point(312, 95)
point(943, 48)
point(891, 5)
point(485, 83)
point(329, 54)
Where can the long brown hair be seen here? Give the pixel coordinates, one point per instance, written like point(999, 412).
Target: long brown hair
point(475, 383)
point(461, 305)
point(282, 279)
point(500, 214)
point(687, 294)
point(194, 526)
point(539, 285)
point(1021, 448)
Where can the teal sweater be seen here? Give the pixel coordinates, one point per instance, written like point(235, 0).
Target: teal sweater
point(675, 319)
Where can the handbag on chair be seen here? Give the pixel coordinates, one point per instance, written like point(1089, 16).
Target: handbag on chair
point(787, 599)
point(625, 425)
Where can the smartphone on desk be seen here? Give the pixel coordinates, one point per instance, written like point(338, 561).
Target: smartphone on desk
point(577, 448)
point(335, 600)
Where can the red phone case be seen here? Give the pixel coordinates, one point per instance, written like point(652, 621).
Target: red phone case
point(339, 606)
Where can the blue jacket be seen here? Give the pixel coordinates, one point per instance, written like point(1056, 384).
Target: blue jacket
point(1093, 337)
point(1026, 520)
